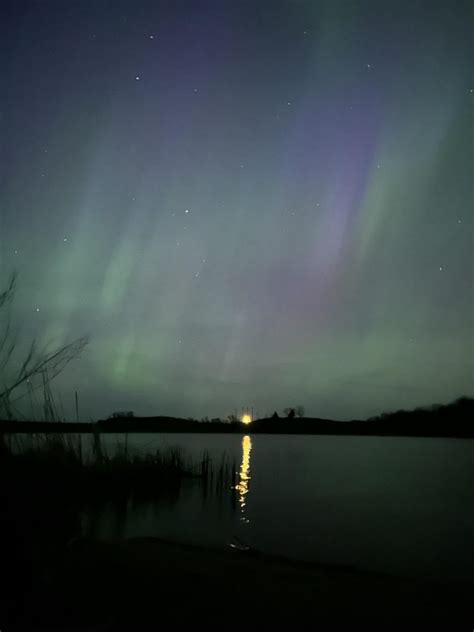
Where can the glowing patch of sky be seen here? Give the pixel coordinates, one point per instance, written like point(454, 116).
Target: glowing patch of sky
point(321, 151)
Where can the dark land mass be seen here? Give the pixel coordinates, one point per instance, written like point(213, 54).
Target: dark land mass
point(142, 584)
point(451, 420)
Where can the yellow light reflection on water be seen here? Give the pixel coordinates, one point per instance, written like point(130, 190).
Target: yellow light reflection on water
point(244, 475)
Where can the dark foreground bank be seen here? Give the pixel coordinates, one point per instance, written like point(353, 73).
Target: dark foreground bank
point(146, 583)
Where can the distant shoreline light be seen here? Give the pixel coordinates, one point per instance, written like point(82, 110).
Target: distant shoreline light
point(246, 419)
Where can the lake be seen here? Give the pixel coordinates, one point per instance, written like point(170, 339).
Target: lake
point(402, 506)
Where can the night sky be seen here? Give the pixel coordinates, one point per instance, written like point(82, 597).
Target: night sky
point(242, 203)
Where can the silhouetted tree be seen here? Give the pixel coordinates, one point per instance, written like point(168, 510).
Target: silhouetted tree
point(289, 412)
point(275, 415)
point(122, 414)
point(28, 369)
point(300, 411)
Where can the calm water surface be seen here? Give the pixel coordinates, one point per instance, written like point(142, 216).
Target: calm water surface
point(398, 505)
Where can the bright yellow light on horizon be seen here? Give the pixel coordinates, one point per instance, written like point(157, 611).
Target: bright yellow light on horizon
point(246, 419)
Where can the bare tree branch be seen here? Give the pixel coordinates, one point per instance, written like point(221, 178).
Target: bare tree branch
point(36, 362)
point(55, 362)
point(6, 297)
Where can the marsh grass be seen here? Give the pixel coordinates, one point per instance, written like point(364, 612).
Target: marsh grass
point(61, 463)
point(48, 482)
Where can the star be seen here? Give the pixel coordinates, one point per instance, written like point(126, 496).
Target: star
point(151, 37)
point(440, 269)
point(289, 103)
point(137, 78)
point(37, 309)
point(65, 239)
point(186, 210)
point(369, 66)
point(195, 90)
point(197, 274)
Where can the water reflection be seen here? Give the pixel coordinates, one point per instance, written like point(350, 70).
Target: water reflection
point(243, 486)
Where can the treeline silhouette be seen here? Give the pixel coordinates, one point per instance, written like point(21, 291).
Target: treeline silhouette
point(448, 420)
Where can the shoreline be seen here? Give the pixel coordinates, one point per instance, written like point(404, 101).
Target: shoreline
point(121, 583)
point(57, 427)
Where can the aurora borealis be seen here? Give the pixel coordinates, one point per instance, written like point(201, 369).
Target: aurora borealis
point(242, 203)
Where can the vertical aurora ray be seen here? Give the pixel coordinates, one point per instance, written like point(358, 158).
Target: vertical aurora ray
point(278, 207)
